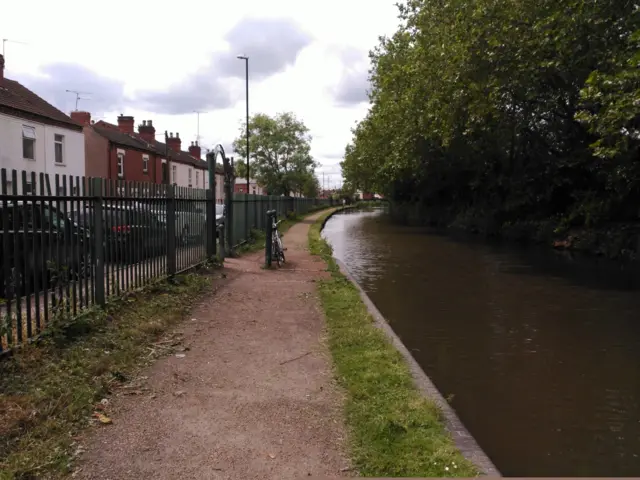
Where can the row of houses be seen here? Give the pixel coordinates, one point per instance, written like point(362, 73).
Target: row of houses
point(37, 137)
point(120, 151)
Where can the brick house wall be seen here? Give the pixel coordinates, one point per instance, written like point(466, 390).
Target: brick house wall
point(96, 153)
point(240, 186)
point(106, 142)
point(134, 165)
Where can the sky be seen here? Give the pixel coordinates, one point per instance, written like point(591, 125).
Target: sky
point(163, 62)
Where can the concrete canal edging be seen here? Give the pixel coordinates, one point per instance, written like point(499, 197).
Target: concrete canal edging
point(463, 440)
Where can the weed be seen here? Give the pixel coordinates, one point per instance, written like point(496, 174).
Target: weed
point(48, 390)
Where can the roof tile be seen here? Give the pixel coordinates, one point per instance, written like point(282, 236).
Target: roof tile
point(18, 97)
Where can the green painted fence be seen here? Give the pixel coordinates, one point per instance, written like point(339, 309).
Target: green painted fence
point(254, 208)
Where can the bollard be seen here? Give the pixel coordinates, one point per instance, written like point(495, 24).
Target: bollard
point(271, 216)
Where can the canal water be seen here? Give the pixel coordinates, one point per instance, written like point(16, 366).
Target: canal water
point(539, 352)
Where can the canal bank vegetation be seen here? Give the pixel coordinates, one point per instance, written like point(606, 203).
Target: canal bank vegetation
point(518, 119)
point(52, 389)
point(257, 238)
point(369, 205)
point(394, 430)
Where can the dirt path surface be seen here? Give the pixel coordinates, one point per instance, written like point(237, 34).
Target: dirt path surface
point(252, 397)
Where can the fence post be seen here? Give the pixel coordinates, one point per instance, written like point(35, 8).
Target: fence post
point(247, 220)
point(171, 230)
point(229, 217)
point(211, 224)
point(268, 240)
point(98, 239)
point(221, 234)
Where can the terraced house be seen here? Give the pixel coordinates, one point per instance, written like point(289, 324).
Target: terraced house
point(36, 137)
point(119, 152)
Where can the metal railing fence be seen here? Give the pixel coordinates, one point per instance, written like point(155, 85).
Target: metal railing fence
point(69, 243)
point(258, 205)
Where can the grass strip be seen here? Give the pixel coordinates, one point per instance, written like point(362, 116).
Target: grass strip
point(258, 238)
point(50, 389)
point(394, 430)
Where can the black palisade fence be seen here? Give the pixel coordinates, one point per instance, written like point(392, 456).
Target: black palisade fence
point(70, 243)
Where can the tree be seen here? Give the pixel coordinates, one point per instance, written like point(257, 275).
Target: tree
point(240, 169)
point(505, 111)
point(311, 187)
point(280, 149)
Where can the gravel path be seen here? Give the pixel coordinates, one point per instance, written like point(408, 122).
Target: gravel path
point(252, 397)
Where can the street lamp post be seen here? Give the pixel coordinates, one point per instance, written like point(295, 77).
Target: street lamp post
point(246, 203)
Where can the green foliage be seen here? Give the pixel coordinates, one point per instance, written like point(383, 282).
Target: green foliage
point(240, 168)
point(505, 111)
point(611, 101)
point(310, 186)
point(280, 149)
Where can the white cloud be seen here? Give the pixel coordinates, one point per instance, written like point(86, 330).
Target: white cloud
point(163, 63)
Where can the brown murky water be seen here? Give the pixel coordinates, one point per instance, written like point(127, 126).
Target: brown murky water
point(541, 352)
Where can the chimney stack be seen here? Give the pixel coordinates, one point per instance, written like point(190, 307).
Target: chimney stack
point(174, 142)
point(1, 67)
point(83, 118)
point(125, 124)
point(195, 150)
point(147, 131)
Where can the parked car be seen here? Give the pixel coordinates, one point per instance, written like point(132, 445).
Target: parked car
point(131, 233)
point(221, 212)
point(38, 244)
point(190, 220)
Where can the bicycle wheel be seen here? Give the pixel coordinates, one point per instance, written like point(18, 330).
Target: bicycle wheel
point(281, 249)
point(275, 251)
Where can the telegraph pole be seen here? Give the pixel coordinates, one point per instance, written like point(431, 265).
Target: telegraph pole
point(246, 205)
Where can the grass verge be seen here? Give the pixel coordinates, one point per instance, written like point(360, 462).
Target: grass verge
point(49, 390)
point(257, 239)
point(394, 430)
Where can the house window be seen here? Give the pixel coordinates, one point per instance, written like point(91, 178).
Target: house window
point(29, 142)
point(59, 148)
point(120, 165)
point(197, 179)
point(145, 163)
point(190, 175)
point(174, 174)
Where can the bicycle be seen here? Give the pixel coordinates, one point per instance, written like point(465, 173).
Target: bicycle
point(277, 249)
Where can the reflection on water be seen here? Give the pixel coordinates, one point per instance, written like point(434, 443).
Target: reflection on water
point(540, 353)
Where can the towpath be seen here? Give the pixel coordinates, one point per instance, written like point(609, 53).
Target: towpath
point(252, 396)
